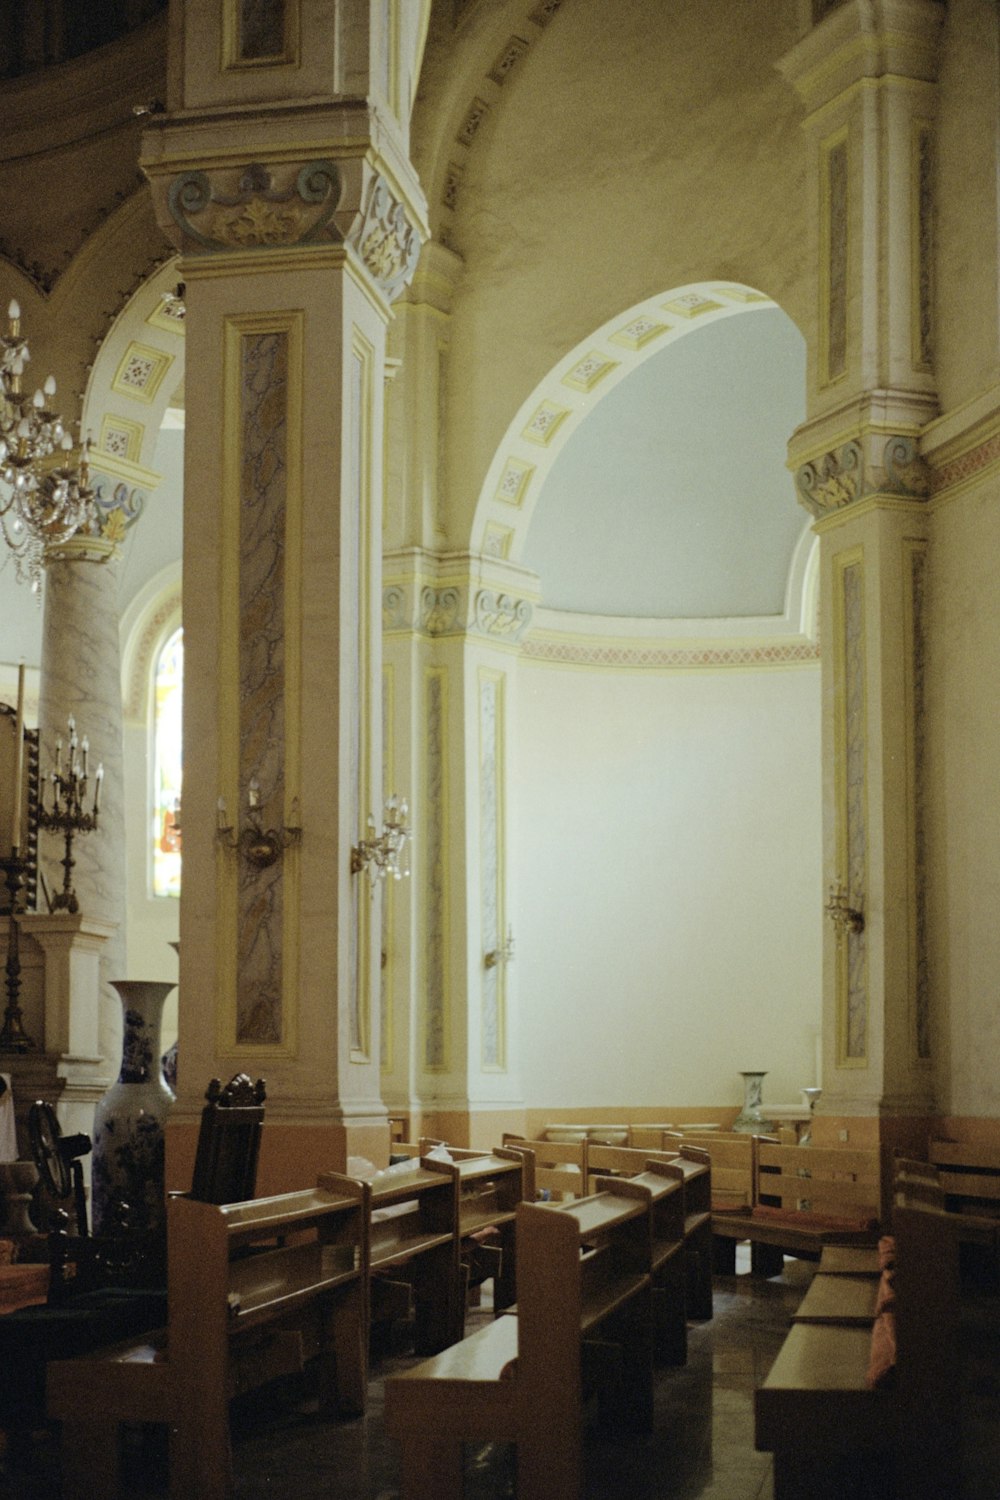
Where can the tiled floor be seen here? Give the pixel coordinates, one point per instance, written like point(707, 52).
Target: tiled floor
point(701, 1447)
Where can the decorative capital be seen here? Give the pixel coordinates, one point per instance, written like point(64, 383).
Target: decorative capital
point(871, 465)
point(440, 610)
point(831, 481)
point(385, 239)
point(501, 615)
point(256, 206)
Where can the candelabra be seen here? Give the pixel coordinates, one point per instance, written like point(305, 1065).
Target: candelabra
point(48, 501)
point(380, 853)
point(258, 845)
point(13, 1037)
point(845, 917)
point(67, 815)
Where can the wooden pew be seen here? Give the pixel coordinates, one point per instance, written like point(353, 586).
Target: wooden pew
point(254, 1291)
point(489, 1186)
point(831, 1428)
point(583, 1306)
point(414, 1261)
point(560, 1167)
point(970, 1177)
point(731, 1157)
point(805, 1197)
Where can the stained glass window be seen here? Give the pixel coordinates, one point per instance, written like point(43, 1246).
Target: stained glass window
point(168, 688)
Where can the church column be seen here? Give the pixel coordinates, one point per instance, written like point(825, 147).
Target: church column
point(282, 177)
point(453, 627)
point(866, 75)
point(81, 678)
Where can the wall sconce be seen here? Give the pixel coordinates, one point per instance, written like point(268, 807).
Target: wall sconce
point(846, 918)
point(380, 853)
point(258, 845)
point(502, 955)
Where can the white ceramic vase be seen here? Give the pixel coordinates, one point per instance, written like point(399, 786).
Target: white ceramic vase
point(127, 1172)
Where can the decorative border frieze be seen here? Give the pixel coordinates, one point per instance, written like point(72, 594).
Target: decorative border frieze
point(565, 651)
point(439, 610)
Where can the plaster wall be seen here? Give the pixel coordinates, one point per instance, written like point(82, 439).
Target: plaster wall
point(617, 161)
point(666, 838)
point(963, 700)
point(967, 191)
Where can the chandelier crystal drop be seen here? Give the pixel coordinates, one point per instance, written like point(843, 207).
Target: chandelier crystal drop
point(45, 497)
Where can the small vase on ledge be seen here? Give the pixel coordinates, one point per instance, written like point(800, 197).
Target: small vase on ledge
point(750, 1120)
point(128, 1162)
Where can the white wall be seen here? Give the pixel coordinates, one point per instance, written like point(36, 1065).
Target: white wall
point(666, 839)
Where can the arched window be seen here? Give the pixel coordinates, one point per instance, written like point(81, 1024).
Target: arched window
point(168, 688)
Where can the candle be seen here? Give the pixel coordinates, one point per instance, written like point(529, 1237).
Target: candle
point(97, 788)
point(220, 815)
point(15, 822)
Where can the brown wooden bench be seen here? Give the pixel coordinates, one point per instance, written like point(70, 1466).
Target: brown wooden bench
point(414, 1264)
point(583, 1318)
point(805, 1197)
point(560, 1167)
point(731, 1156)
point(970, 1177)
point(255, 1290)
point(838, 1420)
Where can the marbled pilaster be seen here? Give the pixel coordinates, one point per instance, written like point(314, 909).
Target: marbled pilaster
point(81, 675)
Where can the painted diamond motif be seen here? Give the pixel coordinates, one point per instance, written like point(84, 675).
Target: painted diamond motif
point(514, 481)
point(639, 332)
point(585, 375)
point(543, 425)
point(691, 305)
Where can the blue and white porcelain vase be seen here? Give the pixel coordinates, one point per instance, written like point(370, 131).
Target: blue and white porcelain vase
point(750, 1120)
point(127, 1173)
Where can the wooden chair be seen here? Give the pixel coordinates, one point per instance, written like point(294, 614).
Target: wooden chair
point(225, 1164)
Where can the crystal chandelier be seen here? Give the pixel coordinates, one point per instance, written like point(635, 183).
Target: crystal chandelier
point(48, 498)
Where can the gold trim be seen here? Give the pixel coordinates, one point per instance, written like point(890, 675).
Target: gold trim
point(234, 329)
point(499, 679)
point(289, 56)
point(441, 674)
point(825, 376)
point(389, 780)
point(920, 131)
point(364, 352)
point(911, 549)
point(850, 558)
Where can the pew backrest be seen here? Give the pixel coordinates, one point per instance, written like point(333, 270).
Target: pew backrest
point(559, 1167)
point(969, 1174)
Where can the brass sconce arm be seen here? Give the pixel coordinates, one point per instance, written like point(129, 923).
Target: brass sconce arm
point(380, 853)
point(845, 917)
point(504, 954)
point(258, 845)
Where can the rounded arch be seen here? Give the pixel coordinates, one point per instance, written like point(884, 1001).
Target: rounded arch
point(150, 619)
point(136, 375)
point(462, 88)
point(572, 389)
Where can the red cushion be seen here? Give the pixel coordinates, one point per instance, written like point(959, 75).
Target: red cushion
point(882, 1356)
point(728, 1206)
point(800, 1218)
point(886, 1252)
